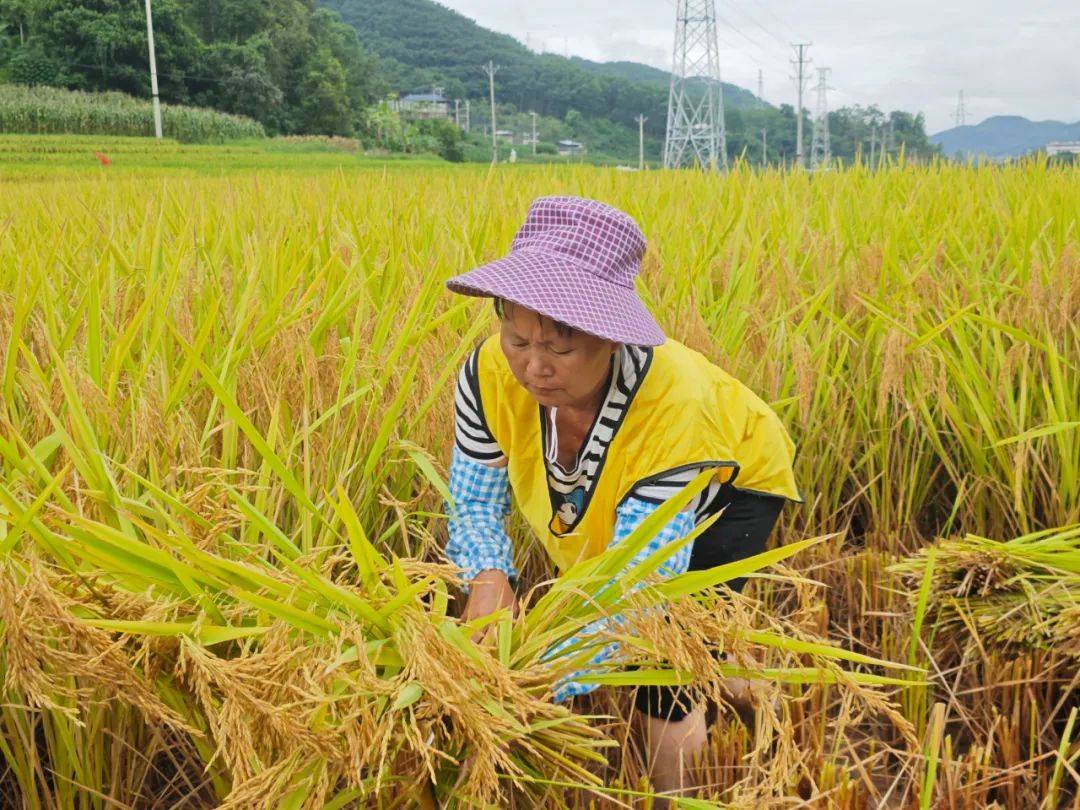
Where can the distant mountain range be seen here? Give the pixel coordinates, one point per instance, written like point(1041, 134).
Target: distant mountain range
point(1003, 136)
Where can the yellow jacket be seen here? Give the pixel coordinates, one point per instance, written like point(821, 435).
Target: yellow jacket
point(686, 412)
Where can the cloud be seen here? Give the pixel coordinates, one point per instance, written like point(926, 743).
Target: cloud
point(1008, 57)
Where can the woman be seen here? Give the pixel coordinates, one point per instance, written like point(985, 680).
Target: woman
point(582, 408)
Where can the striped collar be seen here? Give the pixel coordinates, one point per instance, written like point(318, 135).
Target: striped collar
point(571, 490)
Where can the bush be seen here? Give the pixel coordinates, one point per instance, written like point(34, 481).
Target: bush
point(31, 66)
point(50, 110)
point(447, 137)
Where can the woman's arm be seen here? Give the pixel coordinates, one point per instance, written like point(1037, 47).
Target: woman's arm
point(479, 487)
point(478, 539)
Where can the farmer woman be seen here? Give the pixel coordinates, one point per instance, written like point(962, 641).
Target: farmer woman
point(582, 408)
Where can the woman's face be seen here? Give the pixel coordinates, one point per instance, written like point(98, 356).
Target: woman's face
point(558, 370)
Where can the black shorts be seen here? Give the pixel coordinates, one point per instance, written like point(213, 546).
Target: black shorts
point(739, 533)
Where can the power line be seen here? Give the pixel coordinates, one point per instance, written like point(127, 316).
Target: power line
point(739, 31)
point(779, 39)
point(781, 26)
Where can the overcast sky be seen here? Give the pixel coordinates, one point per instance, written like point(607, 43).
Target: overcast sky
point(1018, 57)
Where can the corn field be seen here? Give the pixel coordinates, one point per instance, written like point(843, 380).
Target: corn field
point(224, 433)
point(50, 110)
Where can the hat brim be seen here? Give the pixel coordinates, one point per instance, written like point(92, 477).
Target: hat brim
point(563, 290)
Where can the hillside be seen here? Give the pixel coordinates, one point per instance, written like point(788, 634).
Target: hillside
point(1003, 136)
point(734, 96)
point(422, 43)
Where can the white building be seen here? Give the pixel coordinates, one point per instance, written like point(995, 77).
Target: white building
point(1063, 148)
point(569, 147)
point(422, 105)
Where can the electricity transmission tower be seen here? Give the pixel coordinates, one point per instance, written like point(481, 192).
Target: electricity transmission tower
point(961, 111)
point(800, 78)
point(760, 88)
point(695, 118)
point(820, 155)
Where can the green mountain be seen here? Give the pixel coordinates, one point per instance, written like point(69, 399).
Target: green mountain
point(423, 44)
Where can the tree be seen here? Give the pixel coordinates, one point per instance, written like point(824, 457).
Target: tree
point(324, 107)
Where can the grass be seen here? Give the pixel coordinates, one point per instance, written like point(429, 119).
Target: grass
point(226, 410)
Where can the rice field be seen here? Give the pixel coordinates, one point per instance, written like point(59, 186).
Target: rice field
point(224, 433)
point(38, 157)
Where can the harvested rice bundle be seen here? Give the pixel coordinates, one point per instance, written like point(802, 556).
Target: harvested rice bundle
point(1024, 592)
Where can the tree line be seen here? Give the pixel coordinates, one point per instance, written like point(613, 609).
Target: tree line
point(291, 66)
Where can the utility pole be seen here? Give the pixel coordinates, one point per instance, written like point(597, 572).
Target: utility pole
point(457, 113)
point(533, 114)
point(491, 69)
point(641, 119)
point(695, 121)
point(467, 117)
point(820, 155)
point(961, 111)
point(801, 63)
point(153, 71)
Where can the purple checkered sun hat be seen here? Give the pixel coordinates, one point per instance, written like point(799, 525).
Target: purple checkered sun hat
point(573, 260)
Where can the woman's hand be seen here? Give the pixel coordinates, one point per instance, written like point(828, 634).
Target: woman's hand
point(489, 591)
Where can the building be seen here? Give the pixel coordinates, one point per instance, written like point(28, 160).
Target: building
point(1063, 148)
point(506, 135)
point(569, 147)
point(422, 105)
